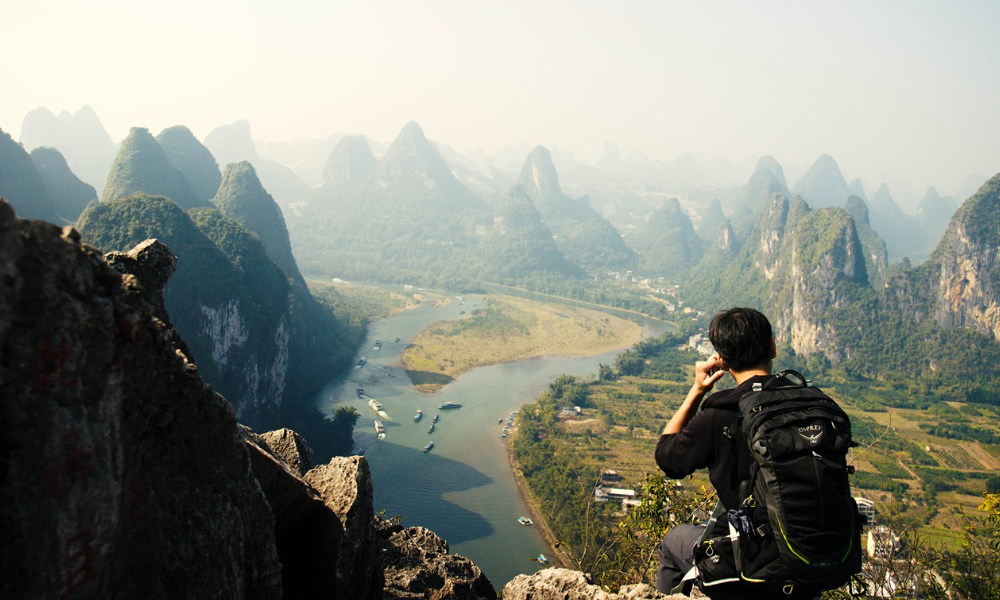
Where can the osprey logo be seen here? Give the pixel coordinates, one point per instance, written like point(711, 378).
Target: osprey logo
point(811, 433)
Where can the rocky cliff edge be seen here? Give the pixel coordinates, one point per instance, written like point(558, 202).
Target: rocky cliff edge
point(123, 475)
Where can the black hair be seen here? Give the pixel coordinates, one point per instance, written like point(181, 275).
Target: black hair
point(742, 337)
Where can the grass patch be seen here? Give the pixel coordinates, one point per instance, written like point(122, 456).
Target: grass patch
point(507, 329)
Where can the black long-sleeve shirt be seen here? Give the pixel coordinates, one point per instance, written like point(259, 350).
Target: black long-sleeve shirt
point(703, 444)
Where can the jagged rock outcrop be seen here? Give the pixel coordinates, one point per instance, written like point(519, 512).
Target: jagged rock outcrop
point(564, 584)
point(192, 159)
point(68, 194)
point(142, 166)
point(289, 447)
point(124, 475)
point(345, 485)
point(417, 566)
point(153, 264)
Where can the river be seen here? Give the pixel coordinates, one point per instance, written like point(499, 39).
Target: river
point(463, 488)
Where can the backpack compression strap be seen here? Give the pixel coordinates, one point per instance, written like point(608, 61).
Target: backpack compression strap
point(684, 587)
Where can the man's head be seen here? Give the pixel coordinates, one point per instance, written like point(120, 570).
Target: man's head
point(743, 339)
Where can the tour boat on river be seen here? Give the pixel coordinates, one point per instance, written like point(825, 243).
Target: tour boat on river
point(450, 405)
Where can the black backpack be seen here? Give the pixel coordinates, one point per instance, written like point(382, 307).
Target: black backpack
point(797, 531)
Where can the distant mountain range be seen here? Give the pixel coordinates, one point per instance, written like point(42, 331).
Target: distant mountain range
point(815, 255)
point(407, 217)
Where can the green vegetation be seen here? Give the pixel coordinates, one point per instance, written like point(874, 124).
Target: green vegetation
point(69, 195)
point(922, 484)
point(583, 236)
point(223, 269)
point(192, 159)
point(359, 305)
point(242, 198)
point(667, 245)
point(20, 184)
point(519, 244)
point(508, 329)
point(142, 166)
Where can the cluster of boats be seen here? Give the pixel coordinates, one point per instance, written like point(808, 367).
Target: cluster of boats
point(376, 406)
point(509, 425)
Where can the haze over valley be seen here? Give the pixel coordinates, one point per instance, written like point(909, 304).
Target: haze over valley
point(361, 214)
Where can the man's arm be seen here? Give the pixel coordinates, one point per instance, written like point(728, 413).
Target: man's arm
point(706, 373)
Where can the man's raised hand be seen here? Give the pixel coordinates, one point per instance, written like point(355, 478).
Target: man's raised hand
point(707, 372)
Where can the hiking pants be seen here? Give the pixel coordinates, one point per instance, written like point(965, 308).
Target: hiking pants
point(677, 555)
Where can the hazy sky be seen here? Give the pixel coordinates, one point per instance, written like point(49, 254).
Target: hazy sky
point(905, 88)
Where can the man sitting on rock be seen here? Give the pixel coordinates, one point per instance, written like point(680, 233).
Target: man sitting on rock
point(693, 439)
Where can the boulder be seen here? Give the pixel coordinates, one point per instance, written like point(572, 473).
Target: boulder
point(308, 534)
point(564, 584)
point(345, 485)
point(418, 566)
point(290, 447)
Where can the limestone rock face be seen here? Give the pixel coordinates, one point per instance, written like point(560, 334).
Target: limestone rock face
point(345, 485)
point(417, 565)
point(123, 474)
point(563, 584)
point(307, 533)
point(967, 265)
point(290, 447)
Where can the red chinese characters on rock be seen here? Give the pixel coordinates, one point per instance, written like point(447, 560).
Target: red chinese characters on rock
point(77, 563)
point(68, 464)
point(54, 365)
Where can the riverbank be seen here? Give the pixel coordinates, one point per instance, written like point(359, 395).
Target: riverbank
point(503, 329)
point(555, 548)
point(361, 304)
